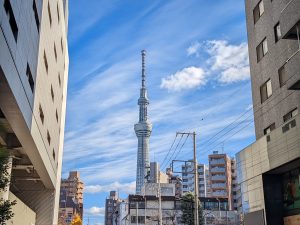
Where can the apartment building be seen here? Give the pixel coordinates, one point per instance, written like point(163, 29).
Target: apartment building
point(220, 170)
point(71, 188)
point(111, 207)
point(33, 88)
point(268, 170)
point(188, 184)
point(144, 209)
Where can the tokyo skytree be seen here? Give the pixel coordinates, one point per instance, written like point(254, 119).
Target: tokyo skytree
point(143, 131)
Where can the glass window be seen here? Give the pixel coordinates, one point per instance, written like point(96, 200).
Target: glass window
point(290, 115)
point(36, 16)
point(282, 76)
point(277, 32)
point(11, 18)
point(266, 91)
point(262, 49)
point(258, 11)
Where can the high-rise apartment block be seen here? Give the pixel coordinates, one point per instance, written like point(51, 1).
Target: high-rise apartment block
point(71, 192)
point(268, 170)
point(33, 92)
point(111, 204)
point(188, 181)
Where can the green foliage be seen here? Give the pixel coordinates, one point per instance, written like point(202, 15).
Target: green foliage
point(187, 207)
point(5, 205)
point(5, 210)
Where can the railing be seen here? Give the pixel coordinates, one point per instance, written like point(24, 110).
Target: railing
point(218, 169)
point(217, 161)
point(219, 185)
point(218, 177)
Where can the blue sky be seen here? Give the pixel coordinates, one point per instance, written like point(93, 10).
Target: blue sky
point(197, 78)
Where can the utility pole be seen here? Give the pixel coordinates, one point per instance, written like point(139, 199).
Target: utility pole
point(159, 201)
point(196, 211)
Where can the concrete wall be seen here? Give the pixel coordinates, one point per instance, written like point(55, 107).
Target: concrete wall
point(23, 214)
point(282, 100)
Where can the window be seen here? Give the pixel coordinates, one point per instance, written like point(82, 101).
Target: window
point(29, 77)
point(45, 61)
point(266, 91)
point(282, 76)
point(258, 11)
point(49, 13)
point(36, 16)
point(52, 93)
point(41, 114)
point(58, 16)
point(48, 137)
point(277, 32)
point(56, 115)
point(262, 49)
point(290, 115)
point(61, 45)
point(11, 18)
point(55, 53)
point(53, 154)
point(59, 80)
point(269, 129)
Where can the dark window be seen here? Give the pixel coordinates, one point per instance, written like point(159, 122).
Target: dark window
point(282, 76)
point(48, 137)
point(56, 115)
point(290, 115)
point(277, 32)
point(11, 18)
point(61, 45)
point(55, 53)
point(53, 154)
point(266, 91)
point(36, 16)
point(59, 80)
point(30, 78)
point(58, 16)
point(45, 61)
point(258, 11)
point(41, 114)
point(52, 93)
point(269, 129)
point(49, 13)
point(262, 49)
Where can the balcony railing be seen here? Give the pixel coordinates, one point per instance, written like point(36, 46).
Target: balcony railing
point(218, 185)
point(217, 161)
point(218, 178)
point(218, 169)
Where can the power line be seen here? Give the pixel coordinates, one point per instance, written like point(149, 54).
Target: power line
point(181, 146)
point(169, 151)
point(174, 150)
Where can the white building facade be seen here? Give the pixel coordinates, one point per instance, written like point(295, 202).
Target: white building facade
point(33, 88)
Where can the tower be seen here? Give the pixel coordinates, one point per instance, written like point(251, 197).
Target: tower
point(143, 131)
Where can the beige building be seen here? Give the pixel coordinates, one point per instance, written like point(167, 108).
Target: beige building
point(71, 197)
point(223, 182)
point(33, 88)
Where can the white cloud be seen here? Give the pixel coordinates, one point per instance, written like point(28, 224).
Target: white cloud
point(231, 61)
point(127, 188)
point(95, 211)
point(190, 77)
point(193, 49)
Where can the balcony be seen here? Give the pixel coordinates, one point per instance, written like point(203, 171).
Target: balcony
point(219, 185)
point(217, 161)
point(218, 177)
point(289, 18)
point(219, 193)
point(217, 170)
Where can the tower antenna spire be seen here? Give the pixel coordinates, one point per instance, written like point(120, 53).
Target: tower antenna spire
point(143, 67)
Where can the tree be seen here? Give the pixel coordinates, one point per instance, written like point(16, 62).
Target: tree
point(187, 207)
point(5, 205)
point(76, 220)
